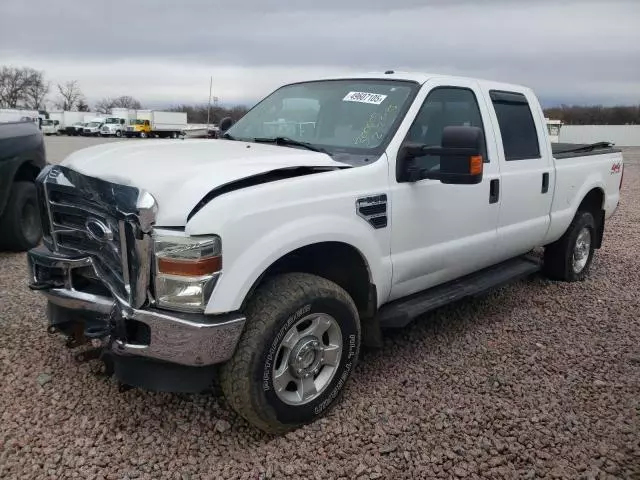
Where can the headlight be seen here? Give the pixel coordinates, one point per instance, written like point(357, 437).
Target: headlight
point(186, 270)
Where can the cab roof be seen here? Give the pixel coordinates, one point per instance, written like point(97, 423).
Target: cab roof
point(421, 77)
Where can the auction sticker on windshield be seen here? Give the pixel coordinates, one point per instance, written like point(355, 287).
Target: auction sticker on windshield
point(364, 97)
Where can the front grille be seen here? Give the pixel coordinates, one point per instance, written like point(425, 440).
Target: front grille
point(86, 216)
point(73, 217)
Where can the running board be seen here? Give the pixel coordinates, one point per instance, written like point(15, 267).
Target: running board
point(401, 312)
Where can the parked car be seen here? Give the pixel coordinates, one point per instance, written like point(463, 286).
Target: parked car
point(92, 127)
point(75, 129)
point(269, 260)
point(50, 127)
point(151, 123)
point(113, 126)
point(22, 157)
point(69, 121)
point(21, 115)
point(116, 123)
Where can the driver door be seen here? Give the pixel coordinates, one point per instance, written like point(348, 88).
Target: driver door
point(441, 232)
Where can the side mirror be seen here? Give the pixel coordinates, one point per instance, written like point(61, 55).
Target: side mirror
point(225, 124)
point(461, 161)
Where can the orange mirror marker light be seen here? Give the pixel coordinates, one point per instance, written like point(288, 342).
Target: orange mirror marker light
point(475, 165)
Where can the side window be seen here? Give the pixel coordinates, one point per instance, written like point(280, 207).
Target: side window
point(443, 107)
point(518, 130)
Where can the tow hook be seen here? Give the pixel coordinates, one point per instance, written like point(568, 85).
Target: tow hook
point(97, 352)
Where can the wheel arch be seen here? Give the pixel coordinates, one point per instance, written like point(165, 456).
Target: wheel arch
point(20, 170)
point(593, 202)
point(336, 261)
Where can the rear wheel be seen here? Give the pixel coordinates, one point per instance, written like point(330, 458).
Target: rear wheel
point(570, 257)
point(300, 345)
point(20, 223)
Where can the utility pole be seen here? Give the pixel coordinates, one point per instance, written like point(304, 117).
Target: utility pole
point(209, 107)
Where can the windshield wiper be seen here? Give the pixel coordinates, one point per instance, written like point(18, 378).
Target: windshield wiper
point(290, 141)
point(228, 136)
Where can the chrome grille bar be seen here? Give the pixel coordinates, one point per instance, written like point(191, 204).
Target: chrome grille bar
point(110, 222)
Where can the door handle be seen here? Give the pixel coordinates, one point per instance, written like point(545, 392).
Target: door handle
point(545, 182)
point(494, 190)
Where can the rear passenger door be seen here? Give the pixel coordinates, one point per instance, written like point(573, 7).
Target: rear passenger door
point(526, 173)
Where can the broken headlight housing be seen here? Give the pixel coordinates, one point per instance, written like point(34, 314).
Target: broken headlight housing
point(186, 270)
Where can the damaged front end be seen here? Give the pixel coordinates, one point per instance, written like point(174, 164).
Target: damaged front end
point(96, 268)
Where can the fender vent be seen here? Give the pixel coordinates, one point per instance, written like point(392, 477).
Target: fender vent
point(373, 209)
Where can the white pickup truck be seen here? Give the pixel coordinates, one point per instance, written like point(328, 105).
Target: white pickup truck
point(266, 261)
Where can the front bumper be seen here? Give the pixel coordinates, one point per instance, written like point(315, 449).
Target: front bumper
point(186, 339)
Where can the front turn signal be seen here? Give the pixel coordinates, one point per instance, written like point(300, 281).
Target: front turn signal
point(189, 267)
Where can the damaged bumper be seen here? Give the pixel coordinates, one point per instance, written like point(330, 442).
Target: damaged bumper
point(159, 337)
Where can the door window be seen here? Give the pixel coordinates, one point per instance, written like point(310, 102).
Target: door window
point(517, 128)
point(443, 107)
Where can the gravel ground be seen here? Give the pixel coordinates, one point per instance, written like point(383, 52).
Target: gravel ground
point(539, 379)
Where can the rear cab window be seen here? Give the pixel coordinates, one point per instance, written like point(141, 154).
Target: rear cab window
point(517, 127)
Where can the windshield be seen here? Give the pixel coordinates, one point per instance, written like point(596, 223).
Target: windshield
point(47, 122)
point(112, 120)
point(138, 122)
point(94, 124)
point(352, 117)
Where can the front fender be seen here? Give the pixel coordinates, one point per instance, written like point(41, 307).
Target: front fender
point(240, 273)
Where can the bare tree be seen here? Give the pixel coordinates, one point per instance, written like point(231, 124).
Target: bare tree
point(13, 85)
point(70, 95)
point(198, 113)
point(595, 114)
point(125, 101)
point(82, 105)
point(104, 105)
point(36, 91)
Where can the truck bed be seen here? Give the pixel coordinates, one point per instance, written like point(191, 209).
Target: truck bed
point(571, 150)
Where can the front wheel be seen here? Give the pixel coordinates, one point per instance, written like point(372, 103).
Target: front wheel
point(118, 133)
point(570, 257)
point(143, 135)
point(300, 345)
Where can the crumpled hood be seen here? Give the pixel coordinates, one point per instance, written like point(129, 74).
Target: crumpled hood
point(179, 173)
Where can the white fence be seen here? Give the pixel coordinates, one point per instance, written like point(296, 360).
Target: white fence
point(620, 135)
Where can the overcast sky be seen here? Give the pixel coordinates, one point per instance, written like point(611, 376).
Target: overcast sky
point(164, 52)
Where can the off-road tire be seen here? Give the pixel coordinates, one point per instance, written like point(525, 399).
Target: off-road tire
point(18, 233)
point(558, 255)
point(274, 307)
